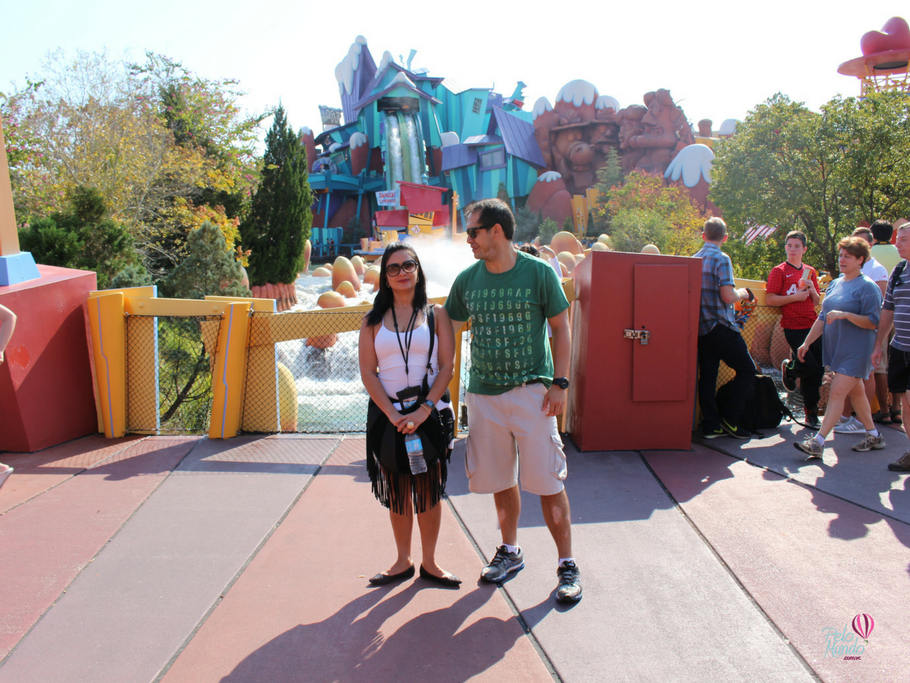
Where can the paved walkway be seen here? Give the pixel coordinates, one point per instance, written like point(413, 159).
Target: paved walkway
point(185, 559)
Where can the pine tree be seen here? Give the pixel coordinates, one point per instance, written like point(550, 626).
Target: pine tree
point(207, 269)
point(527, 225)
point(278, 225)
point(82, 236)
point(547, 229)
point(609, 176)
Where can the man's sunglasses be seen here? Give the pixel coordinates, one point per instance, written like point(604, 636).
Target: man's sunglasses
point(394, 268)
point(472, 232)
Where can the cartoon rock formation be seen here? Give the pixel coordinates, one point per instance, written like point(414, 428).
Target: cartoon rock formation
point(550, 197)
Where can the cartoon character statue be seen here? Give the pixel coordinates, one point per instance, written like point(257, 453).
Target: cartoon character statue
point(630, 127)
point(666, 132)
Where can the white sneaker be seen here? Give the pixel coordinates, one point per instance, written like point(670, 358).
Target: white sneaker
point(851, 426)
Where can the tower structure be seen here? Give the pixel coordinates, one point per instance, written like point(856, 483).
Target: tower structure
point(884, 63)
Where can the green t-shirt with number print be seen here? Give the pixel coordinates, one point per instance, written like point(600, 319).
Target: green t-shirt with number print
point(508, 313)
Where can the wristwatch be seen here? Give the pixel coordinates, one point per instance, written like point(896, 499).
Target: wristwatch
point(561, 382)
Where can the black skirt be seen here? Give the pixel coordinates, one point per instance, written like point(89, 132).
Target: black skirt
point(387, 464)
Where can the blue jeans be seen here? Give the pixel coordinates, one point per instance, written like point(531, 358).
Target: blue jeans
point(723, 344)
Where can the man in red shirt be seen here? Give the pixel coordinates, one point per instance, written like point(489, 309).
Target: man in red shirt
point(794, 287)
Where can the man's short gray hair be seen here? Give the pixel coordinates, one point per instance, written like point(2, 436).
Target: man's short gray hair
point(715, 229)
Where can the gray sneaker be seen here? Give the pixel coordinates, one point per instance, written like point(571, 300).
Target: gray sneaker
point(850, 426)
point(569, 588)
point(810, 447)
point(902, 465)
point(502, 564)
point(870, 442)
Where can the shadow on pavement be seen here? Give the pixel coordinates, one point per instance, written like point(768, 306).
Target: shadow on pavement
point(351, 645)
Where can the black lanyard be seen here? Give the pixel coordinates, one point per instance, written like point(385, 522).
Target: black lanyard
point(406, 349)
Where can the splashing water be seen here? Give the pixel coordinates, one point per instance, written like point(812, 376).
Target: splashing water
point(330, 393)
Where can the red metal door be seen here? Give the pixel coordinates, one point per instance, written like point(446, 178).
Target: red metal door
point(660, 299)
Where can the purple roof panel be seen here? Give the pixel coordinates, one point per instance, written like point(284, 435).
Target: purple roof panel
point(458, 156)
point(519, 139)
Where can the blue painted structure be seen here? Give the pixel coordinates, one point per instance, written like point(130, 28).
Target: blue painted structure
point(404, 113)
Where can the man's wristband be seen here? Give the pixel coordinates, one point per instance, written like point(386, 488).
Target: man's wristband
point(429, 405)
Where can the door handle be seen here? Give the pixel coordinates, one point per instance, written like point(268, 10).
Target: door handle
point(640, 335)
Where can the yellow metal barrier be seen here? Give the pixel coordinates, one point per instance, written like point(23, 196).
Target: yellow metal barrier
point(245, 347)
point(228, 376)
point(105, 312)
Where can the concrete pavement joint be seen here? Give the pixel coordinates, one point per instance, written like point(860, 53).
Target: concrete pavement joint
point(508, 599)
point(729, 571)
point(249, 560)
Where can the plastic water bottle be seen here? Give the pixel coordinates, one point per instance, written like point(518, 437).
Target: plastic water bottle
point(414, 447)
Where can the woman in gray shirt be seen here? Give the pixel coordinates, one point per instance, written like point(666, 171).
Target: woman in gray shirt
point(848, 320)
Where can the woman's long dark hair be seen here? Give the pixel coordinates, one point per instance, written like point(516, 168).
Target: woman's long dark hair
point(385, 298)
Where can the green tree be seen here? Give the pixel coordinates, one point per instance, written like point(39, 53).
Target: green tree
point(50, 244)
point(609, 176)
point(155, 140)
point(754, 261)
point(821, 173)
point(353, 231)
point(527, 224)
point(207, 269)
point(279, 221)
point(204, 115)
point(82, 237)
point(646, 211)
point(131, 276)
point(547, 230)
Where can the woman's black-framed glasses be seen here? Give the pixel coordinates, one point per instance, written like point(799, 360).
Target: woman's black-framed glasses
point(408, 266)
point(472, 232)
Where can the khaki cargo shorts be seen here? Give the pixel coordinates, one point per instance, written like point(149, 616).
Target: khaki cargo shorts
point(510, 437)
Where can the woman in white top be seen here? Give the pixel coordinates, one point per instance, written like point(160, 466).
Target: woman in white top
point(394, 356)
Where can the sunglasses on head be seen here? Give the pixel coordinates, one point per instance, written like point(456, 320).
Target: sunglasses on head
point(394, 268)
point(472, 232)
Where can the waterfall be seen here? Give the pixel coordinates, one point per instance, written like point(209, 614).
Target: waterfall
point(414, 149)
point(394, 145)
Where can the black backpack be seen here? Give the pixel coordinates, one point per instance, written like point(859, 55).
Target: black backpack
point(763, 410)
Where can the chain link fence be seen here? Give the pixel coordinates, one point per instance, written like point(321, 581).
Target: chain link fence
point(318, 384)
point(319, 388)
point(172, 394)
point(769, 348)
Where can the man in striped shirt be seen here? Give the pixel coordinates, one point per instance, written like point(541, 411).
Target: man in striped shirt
point(896, 313)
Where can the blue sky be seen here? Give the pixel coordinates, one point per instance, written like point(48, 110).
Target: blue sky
point(717, 60)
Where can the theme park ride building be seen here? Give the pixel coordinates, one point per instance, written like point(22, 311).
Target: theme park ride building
point(425, 146)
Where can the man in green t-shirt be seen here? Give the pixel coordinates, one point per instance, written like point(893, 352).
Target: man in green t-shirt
point(516, 387)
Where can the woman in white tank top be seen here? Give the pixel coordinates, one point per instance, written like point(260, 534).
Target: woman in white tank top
point(394, 356)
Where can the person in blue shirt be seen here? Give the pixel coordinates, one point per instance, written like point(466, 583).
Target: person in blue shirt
point(848, 321)
point(719, 338)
